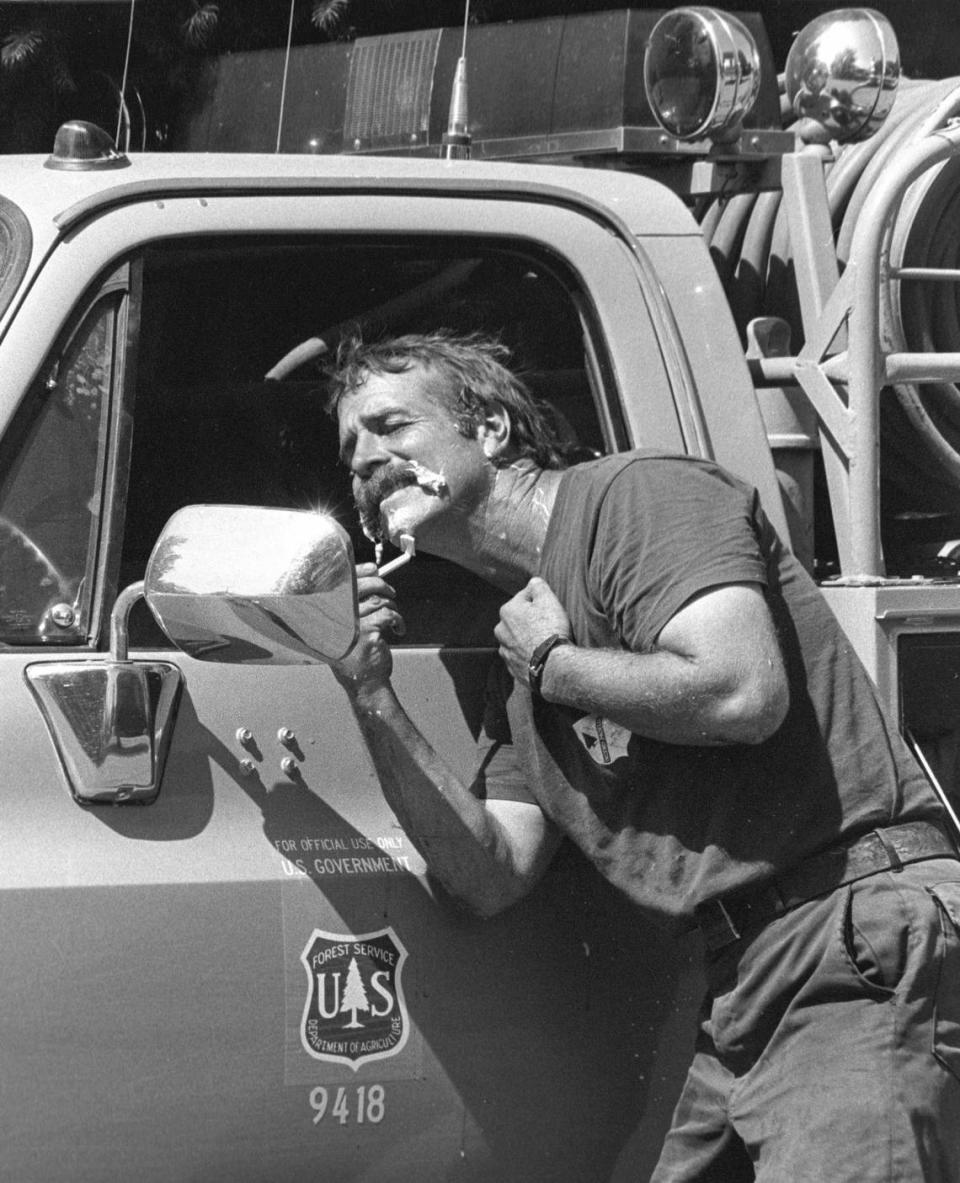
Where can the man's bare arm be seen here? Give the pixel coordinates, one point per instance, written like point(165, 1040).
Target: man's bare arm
point(486, 854)
point(716, 677)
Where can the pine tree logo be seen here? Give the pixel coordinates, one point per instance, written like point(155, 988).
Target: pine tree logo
point(354, 994)
point(355, 1010)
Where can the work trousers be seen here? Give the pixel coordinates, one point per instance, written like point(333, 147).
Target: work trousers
point(828, 1049)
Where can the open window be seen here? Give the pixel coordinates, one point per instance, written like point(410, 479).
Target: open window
point(217, 315)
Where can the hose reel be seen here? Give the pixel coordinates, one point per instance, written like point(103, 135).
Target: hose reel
point(750, 244)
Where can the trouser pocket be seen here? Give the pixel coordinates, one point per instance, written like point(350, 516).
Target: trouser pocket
point(876, 935)
point(946, 1044)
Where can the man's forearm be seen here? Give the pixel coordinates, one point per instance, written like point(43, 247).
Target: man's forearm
point(662, 696)
point(466, 848)
point(716, 676)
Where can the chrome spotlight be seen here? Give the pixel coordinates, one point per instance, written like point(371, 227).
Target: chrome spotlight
point(842, 73)
point(701, 72)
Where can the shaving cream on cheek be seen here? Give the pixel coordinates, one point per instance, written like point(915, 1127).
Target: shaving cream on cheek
point(403, 510)
point(427, 479)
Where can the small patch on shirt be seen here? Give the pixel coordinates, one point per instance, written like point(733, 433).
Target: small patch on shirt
point(604, 741)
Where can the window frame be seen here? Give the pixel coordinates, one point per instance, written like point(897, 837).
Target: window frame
point(613, 303)
point(88, 603)
point(418, 249)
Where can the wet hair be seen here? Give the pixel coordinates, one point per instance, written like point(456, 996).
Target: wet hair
point(474, 377)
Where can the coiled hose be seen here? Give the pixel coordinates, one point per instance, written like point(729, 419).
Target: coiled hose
point(749, 240)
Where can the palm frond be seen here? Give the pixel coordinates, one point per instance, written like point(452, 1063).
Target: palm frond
point(19, 48)
point(200, 24)
point(327, 14)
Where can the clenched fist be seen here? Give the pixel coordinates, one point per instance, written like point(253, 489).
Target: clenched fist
point(529, 618)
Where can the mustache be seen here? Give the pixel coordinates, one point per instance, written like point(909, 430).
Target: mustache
point(376, 488)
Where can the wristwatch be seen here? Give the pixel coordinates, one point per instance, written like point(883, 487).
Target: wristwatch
point(538, 659)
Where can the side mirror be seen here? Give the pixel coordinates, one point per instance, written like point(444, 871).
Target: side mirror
point(255, 586)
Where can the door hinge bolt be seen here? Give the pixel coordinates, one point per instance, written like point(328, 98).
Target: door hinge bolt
point(286, 736)
point(63, 615)
point(244, 736)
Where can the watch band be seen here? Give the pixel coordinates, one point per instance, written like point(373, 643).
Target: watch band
point(538, 659)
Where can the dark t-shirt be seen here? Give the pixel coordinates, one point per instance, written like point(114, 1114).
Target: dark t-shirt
point(631, 539)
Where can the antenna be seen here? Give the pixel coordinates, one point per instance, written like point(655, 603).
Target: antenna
point(456, 139)
point(122, 108)
point(286, 69)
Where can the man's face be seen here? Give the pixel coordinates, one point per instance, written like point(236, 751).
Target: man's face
point(413, 471)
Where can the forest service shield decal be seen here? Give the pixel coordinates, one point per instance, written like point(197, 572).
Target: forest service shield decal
point(355, 1009)
point(604, 740)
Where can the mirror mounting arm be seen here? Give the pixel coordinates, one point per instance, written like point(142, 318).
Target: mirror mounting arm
point(120, 620)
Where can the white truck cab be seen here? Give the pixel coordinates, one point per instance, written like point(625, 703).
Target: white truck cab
point(223, 957)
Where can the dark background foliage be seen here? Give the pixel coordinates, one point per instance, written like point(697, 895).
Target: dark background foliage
point(60, 60)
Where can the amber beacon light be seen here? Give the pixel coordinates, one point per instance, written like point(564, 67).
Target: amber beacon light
point(81, 147)
point(701, 72)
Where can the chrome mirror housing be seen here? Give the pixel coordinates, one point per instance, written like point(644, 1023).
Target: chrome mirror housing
point(254, 586)
point(842, 74)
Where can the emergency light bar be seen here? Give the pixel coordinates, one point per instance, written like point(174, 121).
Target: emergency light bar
point(590, 88)
point(566, 86)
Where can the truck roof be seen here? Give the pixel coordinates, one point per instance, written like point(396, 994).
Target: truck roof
point(59, 197)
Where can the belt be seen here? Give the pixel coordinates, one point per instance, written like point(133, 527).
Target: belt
point(723, 921)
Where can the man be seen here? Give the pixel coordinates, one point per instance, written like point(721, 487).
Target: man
point(677, 698)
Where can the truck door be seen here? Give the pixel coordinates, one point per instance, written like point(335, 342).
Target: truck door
point(251, 976)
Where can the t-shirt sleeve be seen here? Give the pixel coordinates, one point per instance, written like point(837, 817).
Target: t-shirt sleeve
point(499, 776)
point(668, 530)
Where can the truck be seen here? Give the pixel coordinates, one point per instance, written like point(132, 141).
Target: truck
point(223, 956)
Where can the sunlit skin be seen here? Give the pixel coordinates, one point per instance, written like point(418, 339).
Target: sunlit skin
point(715, 677)
point(482, 518)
